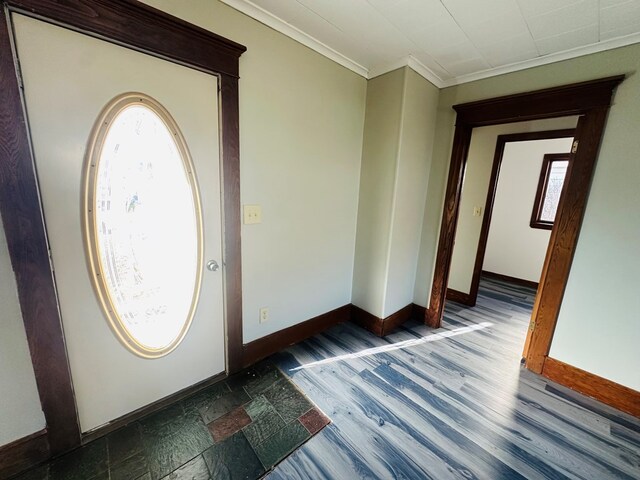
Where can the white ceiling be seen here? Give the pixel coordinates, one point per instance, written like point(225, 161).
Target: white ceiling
point(450, 41)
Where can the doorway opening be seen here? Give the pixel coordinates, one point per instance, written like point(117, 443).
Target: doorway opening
point(590, 101)
point(499, 241)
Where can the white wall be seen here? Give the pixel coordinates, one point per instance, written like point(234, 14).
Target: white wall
point(474, 192)
point(398, 135)
point(598, 329)
point(20, 411)
point(301, 124)
point(513, 247)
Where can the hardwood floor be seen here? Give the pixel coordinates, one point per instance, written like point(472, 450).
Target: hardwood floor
point(452, 403)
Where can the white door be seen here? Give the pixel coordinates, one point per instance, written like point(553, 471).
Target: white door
point(68, 79)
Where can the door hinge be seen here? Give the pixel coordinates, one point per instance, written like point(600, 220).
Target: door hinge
point(574, 147)
point(532, 325)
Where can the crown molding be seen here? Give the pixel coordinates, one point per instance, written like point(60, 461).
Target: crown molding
point(546, 59)
point(263, 16)
point(270, 20)
point(411, 62)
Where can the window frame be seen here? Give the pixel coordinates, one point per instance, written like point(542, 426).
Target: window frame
point(543, 181)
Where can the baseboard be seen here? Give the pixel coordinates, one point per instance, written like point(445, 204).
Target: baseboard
point(27, 452)
point(266, 346)
point(507, 278)
point(151, 408)
point(459, 297)
point(383, 326)
point(618, 396)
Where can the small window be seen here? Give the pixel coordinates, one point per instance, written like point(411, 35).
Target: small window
point(143, 225)
point(545, 206)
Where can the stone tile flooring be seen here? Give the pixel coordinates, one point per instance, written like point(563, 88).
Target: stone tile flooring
point(236, 429)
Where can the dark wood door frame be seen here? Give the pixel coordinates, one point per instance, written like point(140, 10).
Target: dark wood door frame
point(137, 26)
point(589, 99)
point(471, 297)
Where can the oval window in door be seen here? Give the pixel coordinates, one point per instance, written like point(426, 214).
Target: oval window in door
point(143, 224)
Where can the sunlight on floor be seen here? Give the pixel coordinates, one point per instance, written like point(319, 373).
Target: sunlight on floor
point(397, 346)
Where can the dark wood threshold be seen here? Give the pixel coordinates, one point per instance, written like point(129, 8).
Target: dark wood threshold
point(151, 408)
point(18, 456)
point(383, 326)
point(277, 341)
point(618, 396)
point(507, 278)
point(459, 297)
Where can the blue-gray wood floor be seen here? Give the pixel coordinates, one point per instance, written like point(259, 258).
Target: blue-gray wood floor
point(451, 403)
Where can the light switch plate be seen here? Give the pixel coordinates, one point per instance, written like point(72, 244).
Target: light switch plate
point(252, 214)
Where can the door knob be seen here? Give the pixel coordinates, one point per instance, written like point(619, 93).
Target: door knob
point(213, 265)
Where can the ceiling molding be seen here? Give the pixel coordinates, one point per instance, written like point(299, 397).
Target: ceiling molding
point(408, 61)
point(270, 20)
point(263, 16)
point(546, 59)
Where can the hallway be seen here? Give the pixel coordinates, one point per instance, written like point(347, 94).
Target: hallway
point(451, 404)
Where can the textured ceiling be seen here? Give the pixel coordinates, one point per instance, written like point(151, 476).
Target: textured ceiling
point(450, 41)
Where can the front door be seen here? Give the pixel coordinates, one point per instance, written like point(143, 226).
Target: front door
point(127, 158)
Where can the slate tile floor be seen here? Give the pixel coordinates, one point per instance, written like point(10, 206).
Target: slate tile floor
point(236, 429)
point(452, 403)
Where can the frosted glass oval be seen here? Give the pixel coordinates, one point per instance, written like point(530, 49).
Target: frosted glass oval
point(144, 225)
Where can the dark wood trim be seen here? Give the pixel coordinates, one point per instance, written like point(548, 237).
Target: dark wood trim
point(230, 143)
point(509, 279)
point(134, 25)
point(591, 100)
point(383, 326)
point(138, 26)
point(24, 453)
point(564, 237)
point(151, 408)
point(449, 223)
point(29, 252)
point(572, 99)
point(460, 297)
point(541, 189)
point(501, 141)
point(618, 396)
point(266, 346)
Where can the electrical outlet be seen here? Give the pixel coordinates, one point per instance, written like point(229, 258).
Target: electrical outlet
point(252, 214)
point(264, 314)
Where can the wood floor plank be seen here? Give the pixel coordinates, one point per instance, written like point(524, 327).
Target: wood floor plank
point(451, 403)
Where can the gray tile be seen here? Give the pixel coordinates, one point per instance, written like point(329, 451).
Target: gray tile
point(282, 443)
point(223, 405)
point(263, 427)
point(133, 467)
point(87, 462)
point(233, 459)
point(195, 469)
point(124, 443)
point(189, 438)
point(287, 400)
point(38, 473)
point(165, 422)
point(206, 397)
point(258, 407)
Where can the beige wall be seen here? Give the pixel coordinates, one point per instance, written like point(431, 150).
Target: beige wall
point(598, 328)
point(377, 184)
point(301, 124)
point(398, 136)
point(513, 247)
point(412, 177)
point(20, 412)
point(474, 193)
